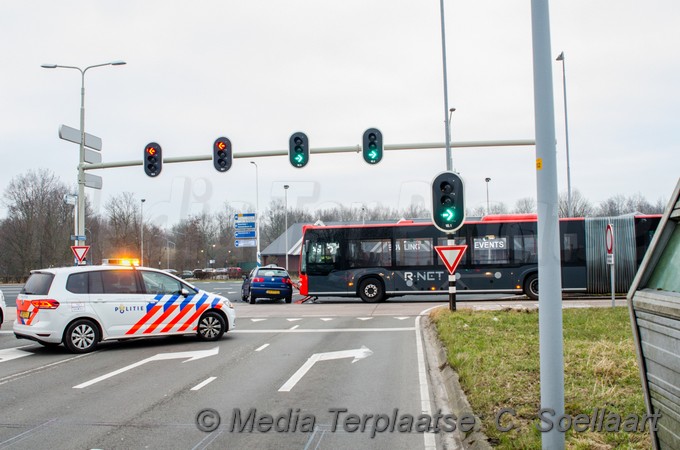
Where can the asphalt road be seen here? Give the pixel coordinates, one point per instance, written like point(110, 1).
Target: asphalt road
point(322, 379)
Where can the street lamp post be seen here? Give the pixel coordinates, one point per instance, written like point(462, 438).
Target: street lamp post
point(81, 163)
point(449, 160)
point(141, 219)
point(285, 191)
point(167, 250)
point(566, 132)
point(257, 214)
point(488, 210)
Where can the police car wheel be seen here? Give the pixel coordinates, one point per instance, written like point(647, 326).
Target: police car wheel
point(211, 326)
point(81, 336)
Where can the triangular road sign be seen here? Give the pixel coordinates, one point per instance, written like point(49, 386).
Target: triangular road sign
point(80, 251)
point(451, 255)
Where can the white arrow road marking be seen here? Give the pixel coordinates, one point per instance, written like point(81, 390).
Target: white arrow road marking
point(357, 354)
point(192, 356)
point(9, 354)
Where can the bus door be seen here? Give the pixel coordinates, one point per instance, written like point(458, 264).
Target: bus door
point(322, 264)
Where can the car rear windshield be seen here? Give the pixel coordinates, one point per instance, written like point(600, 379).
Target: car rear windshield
point(272, 273)
point(38, 284)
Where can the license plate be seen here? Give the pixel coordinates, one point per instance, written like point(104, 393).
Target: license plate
point(25, 314)
point(273, 292)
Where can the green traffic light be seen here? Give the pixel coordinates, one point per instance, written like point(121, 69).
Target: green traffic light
point(449, 214)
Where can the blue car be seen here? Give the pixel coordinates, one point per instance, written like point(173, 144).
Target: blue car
point(267, 282)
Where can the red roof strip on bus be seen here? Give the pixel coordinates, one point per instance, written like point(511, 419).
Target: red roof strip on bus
point(494, 218)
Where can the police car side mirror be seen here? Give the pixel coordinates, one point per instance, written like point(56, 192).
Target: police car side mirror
point(185, 292)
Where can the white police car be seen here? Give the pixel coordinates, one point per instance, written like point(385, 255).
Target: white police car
point(83, 305)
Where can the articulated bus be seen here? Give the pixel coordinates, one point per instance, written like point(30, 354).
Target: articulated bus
point(375, 262)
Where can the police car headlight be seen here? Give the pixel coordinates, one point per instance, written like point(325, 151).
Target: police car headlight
point(228, 304)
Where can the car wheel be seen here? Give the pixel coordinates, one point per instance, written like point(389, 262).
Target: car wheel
point(211, 326)
point(81, 336)
point(371, 290)
point(289, 298)
point(531, 286)
point(252, 299)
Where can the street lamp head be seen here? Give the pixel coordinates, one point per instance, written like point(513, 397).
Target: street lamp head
point(48, 66)
point(143, 200)
point(487, 179)
point(560, 57)
point(117, 63)
point(452, 109)
point(285, 186)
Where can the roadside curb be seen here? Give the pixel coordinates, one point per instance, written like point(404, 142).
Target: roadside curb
point(445, 378)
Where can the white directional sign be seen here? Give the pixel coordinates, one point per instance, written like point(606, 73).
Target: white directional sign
point(92, 157)
point(245, 243)
point(93, 181)
point(192, 356)
point(356, 354)
point(72, 135)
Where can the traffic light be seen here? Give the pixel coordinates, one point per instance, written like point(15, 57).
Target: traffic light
point(153, 159)
point(222, 154)
point(448, 202)
point(298, 149)
point(373, 146)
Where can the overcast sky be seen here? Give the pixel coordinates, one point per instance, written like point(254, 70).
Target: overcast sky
point(257, 71)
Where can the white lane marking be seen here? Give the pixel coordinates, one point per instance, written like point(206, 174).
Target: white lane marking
point(26, 373)
point(257, 320)
point(364, 318)
point(294, 320)
point(422, 380)
point(294, 328)
point(192, 356)
point(203, 383)
point(322, 330)
point(326, 319)
point(401, 318)
point(8, 354)
point(357, 354)
point(262, 347)
point(6, 332)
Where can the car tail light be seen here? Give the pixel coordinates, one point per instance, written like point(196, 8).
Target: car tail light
point(45, 304)
point(258, 280)
point(287, 281)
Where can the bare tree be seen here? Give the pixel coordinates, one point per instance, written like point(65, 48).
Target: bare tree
point(526, 205)
point(580, 206)
point(124, 225)
point(37, 231)
point(613, 206)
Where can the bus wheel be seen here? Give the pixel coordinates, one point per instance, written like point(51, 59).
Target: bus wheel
point(371, 291)
point(531, 286)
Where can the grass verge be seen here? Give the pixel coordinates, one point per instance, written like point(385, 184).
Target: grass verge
point(496, 356)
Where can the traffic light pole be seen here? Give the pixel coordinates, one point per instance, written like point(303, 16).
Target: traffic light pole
point(452, 278)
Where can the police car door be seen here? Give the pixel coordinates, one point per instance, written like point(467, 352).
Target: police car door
point(169, 309)
point(117, 299)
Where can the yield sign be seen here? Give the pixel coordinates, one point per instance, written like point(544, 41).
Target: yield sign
point(451, 255)
point(80, 251)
